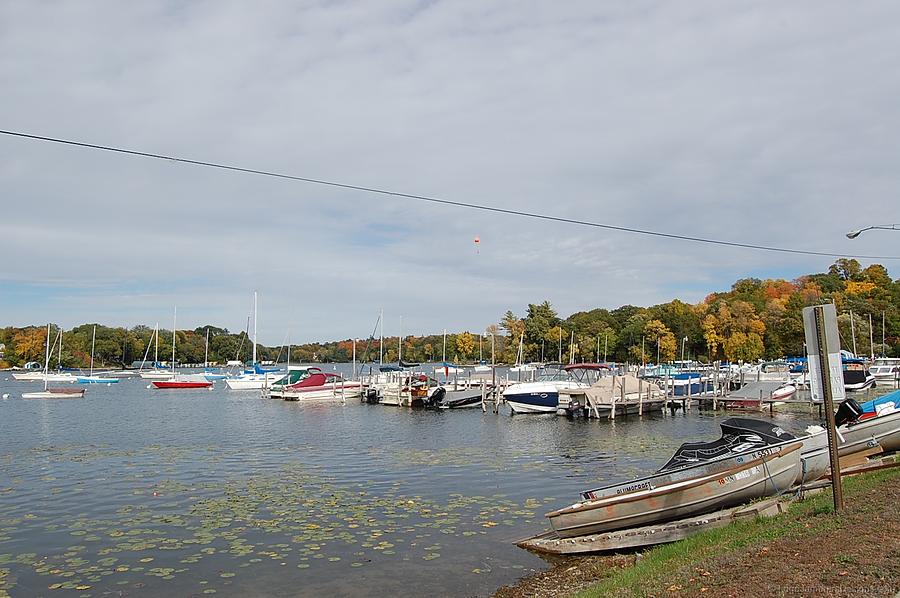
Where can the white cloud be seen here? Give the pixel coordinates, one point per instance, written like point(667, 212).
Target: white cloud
point(758, 122)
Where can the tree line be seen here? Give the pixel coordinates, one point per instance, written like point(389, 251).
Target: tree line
point(755, 319)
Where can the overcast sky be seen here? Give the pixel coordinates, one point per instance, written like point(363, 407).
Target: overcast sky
point(765, 122)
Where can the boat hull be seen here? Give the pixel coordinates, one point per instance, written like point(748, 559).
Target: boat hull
point(329, 392)
point(815, 460)
point(752, 475)
point(96, 380)
point(169, 384)
point(869, 382)
point(542, 402)
point(883, 429)
point(256, 382)
point(161, 375)
point(56, 393)
point(537, 397)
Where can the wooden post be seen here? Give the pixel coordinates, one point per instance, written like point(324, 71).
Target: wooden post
point(612, 399)
point(641, 397)
point(690, 393)
point(836, 485)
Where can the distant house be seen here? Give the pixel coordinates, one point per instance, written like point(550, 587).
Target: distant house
point(2, 350)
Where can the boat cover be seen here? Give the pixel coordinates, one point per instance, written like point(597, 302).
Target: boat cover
point(872, 406)
point(739, 435)
point(755, 391)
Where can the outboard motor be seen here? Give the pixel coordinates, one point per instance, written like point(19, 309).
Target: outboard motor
point(436, 397)
point(848, 412)
point(371, 396)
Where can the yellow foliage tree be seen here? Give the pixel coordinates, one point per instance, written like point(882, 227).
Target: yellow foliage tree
point(661, 338)
point(858, 288)
point(465, 344)
point(29, 343)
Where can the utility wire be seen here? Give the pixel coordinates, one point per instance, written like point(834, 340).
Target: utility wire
point(437, 200)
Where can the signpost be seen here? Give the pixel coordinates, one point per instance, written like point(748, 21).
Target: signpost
point(826, 378)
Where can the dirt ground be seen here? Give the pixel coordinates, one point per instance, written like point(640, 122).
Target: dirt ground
point(856, 554)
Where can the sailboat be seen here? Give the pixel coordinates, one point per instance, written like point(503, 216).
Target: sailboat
point(53, 393)
point(179, 381)
point(156, 373)
point(520, 358)
point(445, 367)
point(482, 366)
point(209, 373)
point(258, 377)
point(91, 378)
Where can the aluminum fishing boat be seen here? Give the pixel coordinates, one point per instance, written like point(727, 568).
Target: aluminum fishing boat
point(749, 461)
point(862, 425)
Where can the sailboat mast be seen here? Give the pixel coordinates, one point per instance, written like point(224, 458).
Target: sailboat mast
point(444, 351)
point(883, 347)
point(206, 351)
point(381, 337)
point(174, 319)
point(156, 349)
point(605, 345)
point(492, 349)
point(59, 355)
point(254, 327)
point(572, 348)
point(871, 341)
point(560, 345)
point(47, 358)
point(93, 343)
point(853, 333)
point(400, 343)
point(480, 353)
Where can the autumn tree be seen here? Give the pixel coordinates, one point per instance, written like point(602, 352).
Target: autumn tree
point(30, 344)
point(661, 338)
point(465, 344)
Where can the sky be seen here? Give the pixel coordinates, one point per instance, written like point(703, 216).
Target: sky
point(763, 122)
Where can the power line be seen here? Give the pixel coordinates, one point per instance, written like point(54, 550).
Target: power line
point(437, 200)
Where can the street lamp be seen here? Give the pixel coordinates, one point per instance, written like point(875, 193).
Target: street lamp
point(855, 233)
point(684, 340)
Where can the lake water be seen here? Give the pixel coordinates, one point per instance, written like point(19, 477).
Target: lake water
point(140, 492)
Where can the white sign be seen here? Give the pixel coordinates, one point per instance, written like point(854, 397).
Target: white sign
point(832, 348)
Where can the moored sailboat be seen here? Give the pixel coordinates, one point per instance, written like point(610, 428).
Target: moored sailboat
point(180, 381)
point(91, 378)
point(52, 393)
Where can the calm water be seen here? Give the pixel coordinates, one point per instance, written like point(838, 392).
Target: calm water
point(141, 492)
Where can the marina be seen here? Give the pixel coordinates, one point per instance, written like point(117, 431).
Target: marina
point(180, 492)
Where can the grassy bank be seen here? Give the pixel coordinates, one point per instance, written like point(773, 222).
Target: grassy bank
point(719, 562)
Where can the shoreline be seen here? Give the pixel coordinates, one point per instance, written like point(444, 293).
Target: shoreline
point(715, 563)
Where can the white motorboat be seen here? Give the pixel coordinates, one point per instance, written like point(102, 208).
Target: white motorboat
point(541, 396)
point(885, 369)
point(318, 385)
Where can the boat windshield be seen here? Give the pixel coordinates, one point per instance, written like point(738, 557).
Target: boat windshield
point(554, 375)
point(887, 361)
